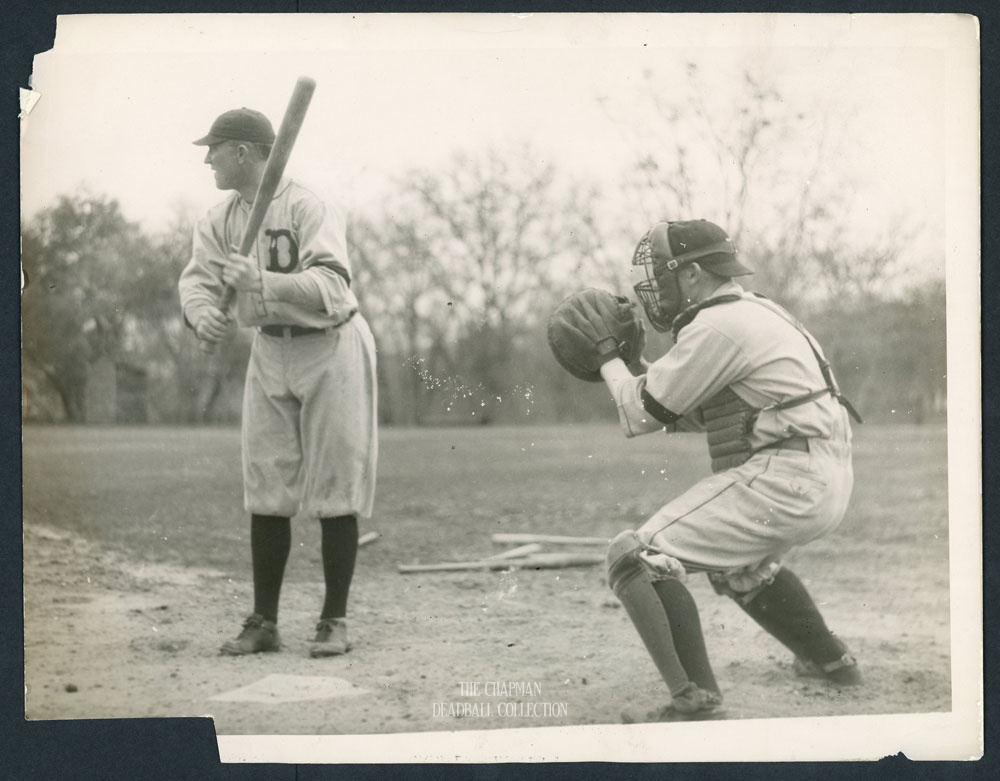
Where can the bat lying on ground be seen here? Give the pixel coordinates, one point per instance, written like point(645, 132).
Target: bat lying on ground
point(281, 150)
point(534, 561)
point(367, 538)
point(550, 539)
point(513, 553)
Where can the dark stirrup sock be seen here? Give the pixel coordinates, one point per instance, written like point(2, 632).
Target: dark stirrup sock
point(270, 543)
point(685, 624)
point(340, 551)
point(786, 611)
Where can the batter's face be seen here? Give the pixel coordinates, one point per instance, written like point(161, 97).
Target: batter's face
point(227, 161)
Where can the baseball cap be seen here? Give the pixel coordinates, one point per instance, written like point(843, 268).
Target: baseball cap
point(241, 124)
point(702, 241)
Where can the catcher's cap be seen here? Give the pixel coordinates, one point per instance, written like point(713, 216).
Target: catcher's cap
point(675, 244)
point(241, 124)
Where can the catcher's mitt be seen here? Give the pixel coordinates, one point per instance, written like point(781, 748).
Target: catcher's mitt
point(591, 327)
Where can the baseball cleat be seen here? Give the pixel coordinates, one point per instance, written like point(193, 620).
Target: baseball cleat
point(693, 699)
point(669, 713)
point(843, 671)
point(691, 704)
point(331, 638)
point(259, 635)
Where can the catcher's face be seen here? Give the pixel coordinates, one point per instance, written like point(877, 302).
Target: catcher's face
point(659, 292)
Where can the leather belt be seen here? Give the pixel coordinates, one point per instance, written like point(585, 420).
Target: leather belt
point(792, 443)
point(289, 330)
point(282, 331)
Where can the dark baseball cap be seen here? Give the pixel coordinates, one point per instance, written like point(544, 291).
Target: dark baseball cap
point(702, 241)
point(241, 124)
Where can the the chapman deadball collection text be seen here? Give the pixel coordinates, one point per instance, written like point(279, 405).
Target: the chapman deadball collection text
point(505, 699)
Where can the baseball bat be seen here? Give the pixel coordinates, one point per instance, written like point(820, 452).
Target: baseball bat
point(281, 150)
point(549, 539)
point(518, 552)
point(536, 561)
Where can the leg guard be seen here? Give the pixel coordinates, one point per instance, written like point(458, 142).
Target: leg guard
point(630, 583)
point(685, 624)
point(786, 611)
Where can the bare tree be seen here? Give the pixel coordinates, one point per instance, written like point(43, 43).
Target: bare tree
point(77, 257)
point(99, 289)
point(192, 387)
point(462, 266)
point(396, 281)
point(766, 173)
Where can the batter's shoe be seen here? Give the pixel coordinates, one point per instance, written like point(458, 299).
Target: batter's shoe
point(259, 635)
point(331, 638)
point(843, 671)
point(691, 704)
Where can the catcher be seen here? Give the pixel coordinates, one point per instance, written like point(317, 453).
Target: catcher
point(743, 371)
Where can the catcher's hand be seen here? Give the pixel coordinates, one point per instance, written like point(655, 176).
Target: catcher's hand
point(592, 327)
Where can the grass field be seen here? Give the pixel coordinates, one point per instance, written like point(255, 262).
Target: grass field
point(129, 511)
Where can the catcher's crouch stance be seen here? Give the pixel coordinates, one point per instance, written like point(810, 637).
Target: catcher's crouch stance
point(746, 373)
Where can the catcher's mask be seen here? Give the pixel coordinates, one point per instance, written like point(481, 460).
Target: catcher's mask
point(665, 248)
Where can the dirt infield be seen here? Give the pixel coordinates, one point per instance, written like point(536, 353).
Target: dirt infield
point(136, 568)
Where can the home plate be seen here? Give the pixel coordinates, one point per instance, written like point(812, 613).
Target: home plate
point(291, 688)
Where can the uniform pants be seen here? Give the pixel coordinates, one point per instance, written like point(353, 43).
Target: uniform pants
point(310, 423)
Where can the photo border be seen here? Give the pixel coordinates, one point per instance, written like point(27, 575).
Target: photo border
point(171, 748)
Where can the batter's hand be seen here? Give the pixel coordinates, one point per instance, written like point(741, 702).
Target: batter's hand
point(212, 324)
point(241, 272)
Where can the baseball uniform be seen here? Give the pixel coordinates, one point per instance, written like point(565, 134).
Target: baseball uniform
point(749, 376)
point(744, 519)
point(309, 403)
point(309, 407)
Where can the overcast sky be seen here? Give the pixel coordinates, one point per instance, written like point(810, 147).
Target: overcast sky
point(122, 97)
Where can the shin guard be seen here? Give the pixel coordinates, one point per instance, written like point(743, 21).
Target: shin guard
point(685, 623)
point(785, 610)
point(630, 583)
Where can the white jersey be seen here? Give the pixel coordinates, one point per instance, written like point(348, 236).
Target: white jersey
point(749, 348)
point(300, 234)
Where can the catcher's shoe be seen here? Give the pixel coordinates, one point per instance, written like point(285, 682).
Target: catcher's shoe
point(843, 671)
point(331, 638)
point(258, 635)
point(691, 704)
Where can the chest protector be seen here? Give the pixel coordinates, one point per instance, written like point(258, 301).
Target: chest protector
point(728, 418)
point(728, 422)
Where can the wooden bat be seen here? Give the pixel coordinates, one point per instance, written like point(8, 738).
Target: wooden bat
point(281, 150)
point(550, 539)
point(367, 538)
point(513, 553)
point(536, 561)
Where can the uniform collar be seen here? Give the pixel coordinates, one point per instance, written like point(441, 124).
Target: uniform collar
point(728, 287)
point(726, 293)
point(283, 185)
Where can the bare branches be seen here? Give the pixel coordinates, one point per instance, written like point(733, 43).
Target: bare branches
point(767, 173)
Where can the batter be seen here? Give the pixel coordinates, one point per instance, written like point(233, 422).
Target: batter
point(743, 371)
point(309, 425)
